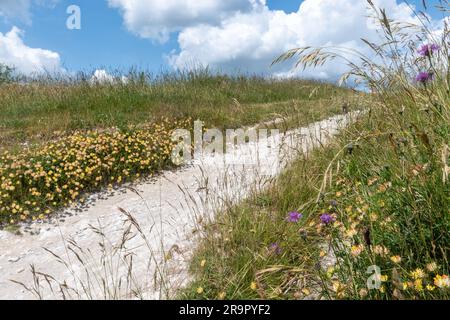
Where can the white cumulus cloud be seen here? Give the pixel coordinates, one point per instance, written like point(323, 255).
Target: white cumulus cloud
point(251, 41)
point(156, 19)
point(246, 35)
point(15, 53)
point(102, 76)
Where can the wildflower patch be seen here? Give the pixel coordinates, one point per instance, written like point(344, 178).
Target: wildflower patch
point(36, 183)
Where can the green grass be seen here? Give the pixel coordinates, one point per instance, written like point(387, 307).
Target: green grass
point(376, 187)
point(82, 137)
point(383, 180)
point(48, 108)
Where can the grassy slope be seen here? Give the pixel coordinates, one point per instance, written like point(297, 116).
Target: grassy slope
point(383, 185)
point(42, 111)
point(389, 195)
point(132, 137)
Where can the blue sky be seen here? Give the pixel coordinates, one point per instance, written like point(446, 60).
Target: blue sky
point(106, 41)
point(103, 41)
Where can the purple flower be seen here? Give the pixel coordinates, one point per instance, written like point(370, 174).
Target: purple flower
point(275, 248)
point(424, 77)
point(435, 48)
point(294, 216)
point(428, 49)
point(326, 218)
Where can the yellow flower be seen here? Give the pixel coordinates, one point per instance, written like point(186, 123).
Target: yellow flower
point(357, 250)
point(306, 291)
point(396, 259)
point(432, 266)
point(203, 263)
point(350, 233)
point(253, 286)
point(199, 290)
point(430, 287)
point(417, 274)
point(363, 293)
point(330, 272)
point(337, 286)
point(381, 250)
point(222, 295)
point(442, 281)
point(418, 285)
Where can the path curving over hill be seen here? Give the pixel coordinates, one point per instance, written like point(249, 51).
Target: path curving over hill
point(136, 241)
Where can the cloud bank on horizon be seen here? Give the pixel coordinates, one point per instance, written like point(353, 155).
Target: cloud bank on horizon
point(230, 36)
point(13, 50)
point(247, 35)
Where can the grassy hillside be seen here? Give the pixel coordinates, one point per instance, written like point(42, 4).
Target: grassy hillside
point(47, 108)
point(371, 208)
point(64, 138)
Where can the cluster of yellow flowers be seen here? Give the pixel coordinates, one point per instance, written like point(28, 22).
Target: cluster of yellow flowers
point(359, 209)
point(420, 280)
point(34, 183)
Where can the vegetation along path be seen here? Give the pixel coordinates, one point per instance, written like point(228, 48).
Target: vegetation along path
point(135, 241)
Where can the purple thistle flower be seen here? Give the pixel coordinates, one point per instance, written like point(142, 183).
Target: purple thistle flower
point(294, 216)
point(428, 49)
point(435, 48)
point(424, 77)
point(275, 248)
point(326, 218)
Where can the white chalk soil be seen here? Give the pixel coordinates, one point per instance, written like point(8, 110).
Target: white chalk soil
point(136, 241)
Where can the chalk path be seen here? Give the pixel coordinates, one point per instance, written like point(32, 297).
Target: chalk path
point(103, 255)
